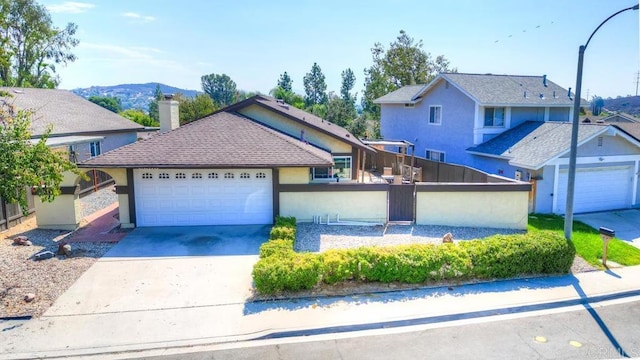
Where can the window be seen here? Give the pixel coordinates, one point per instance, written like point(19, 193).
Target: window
point(147, 176)
point(494, 117)
point(435, 115)
point(95, 148)
point(228, 175)
point(341, 169)
point(163, 176)
point(245, 175)
point(261, 175)
point(435, 155)
point(181, 175)
point(212, 175)
point(196, 176)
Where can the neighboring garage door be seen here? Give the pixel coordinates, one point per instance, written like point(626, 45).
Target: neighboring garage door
point(597, 189)
point(183, 197)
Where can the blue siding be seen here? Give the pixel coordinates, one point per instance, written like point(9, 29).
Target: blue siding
point(522, 114)
point(453, 136)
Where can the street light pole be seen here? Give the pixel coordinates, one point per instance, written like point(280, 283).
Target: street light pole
point(568, 217)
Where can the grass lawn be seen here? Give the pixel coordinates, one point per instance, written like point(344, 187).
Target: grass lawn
point(587, 241)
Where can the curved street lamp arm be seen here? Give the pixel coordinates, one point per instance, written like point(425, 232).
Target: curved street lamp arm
point(635, 7)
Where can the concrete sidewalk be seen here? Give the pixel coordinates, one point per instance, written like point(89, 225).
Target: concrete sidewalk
point(109, 332)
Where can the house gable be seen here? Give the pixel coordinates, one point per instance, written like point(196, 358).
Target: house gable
point(294, 129)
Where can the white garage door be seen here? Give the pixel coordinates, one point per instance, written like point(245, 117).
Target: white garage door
point(183, 197)
point(597, 189)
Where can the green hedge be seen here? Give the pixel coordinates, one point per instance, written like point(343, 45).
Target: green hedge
point(500, 256)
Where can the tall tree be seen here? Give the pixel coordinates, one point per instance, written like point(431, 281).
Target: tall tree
point(31, 46)
point(597, 103)
point(27, 164)
point(404, 63)
point(348, 82)
point(153, 105)
point(289, 97)
point(108, 102)
point(285, 82)
point(220, 88)
point(315, 87)
point(140, 117)
point(191, 109)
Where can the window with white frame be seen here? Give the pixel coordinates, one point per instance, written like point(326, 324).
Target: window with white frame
point(341, 169)
point(435, 155)
point(494, 116)
point(435, 115)
point(95, 148)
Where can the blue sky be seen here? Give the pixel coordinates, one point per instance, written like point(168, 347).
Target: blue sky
point(255, 41)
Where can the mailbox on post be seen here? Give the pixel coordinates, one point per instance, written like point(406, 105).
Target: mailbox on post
point(606, 234)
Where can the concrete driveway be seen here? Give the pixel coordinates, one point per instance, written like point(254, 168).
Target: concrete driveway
point(168, 268)
point(626, 223)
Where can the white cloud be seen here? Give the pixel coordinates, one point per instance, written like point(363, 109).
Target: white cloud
point(70, 7)
point(138, 18)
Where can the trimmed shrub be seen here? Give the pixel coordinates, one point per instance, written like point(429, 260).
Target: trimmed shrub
point(285, 221)
point(503, 256)
point(280, 268)
point(276, 247)
point(294, 272)
point(282, 232)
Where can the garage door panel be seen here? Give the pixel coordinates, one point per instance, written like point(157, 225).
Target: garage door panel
point(597, 189)
point(180, 198)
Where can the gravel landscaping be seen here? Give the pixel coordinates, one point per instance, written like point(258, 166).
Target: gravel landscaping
point(21, 275)
point(319, 238)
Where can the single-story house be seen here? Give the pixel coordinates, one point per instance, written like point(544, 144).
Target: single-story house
point(78, 127)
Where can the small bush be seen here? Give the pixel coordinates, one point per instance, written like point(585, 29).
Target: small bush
point(285, 221)
point(298, 271)
point(503, 256)
point(276, 247)
point(282, 232)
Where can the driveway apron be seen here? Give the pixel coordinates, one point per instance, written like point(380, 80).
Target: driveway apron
point(168, 268)
point(626, 223)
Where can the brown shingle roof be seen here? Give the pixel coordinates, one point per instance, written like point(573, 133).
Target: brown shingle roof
point(222, 139)
point(302, 117)
point(632, 129)
point(66, 111)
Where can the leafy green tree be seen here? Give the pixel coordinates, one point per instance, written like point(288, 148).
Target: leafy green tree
point(26, 164)
point(220, 88)
point(348, 82)
point(140, 117)
point(31, 46)
point(404, 63)
point(194, 108)
point(339, 112)
point(289, 97)
point(153, 105)
point(108, 102)
point(315, 86)
point(243, 95)
point(285, 82)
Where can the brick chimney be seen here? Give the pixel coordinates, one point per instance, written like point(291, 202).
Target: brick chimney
point(168, 113)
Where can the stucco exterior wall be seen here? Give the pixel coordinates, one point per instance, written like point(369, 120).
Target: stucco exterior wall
point(507, 209)
point(452, 136)
point(544, 190)
point(110, 142)
point(63, 213)
point(293, 129)
point(293, 175)
point(611, 145)
point(350, 205)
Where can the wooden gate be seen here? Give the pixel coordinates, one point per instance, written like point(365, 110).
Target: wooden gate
point(401, 202)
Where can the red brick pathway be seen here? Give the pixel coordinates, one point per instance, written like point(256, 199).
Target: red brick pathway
point(98, 227)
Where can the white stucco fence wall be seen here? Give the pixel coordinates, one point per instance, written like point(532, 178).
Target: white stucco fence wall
point(370, 206)
point(482, 206)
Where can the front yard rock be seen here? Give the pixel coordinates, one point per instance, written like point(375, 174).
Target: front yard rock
point(29, 297)
point(43, 255)
point(21, 240)
point(447, 238)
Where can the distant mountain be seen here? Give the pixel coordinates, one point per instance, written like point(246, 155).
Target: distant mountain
point(628, 104)
point(132, 96)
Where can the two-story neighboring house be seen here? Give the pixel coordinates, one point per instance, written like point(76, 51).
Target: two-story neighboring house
point(518, 127)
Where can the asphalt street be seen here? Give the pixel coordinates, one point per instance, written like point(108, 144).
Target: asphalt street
point(606, 330)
